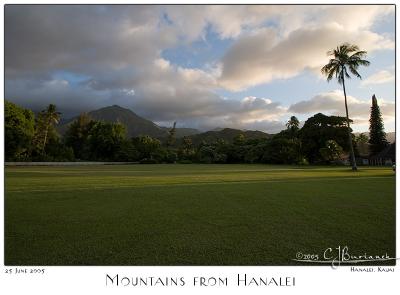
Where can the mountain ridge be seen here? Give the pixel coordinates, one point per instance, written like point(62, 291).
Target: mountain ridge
point(137, 125)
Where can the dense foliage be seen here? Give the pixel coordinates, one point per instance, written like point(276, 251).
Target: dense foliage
point(377, 136)
point(322, 139)
point(317, 130)
point(19, 129)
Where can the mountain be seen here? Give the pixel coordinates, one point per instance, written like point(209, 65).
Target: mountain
point(135, 125)
point(227, 134)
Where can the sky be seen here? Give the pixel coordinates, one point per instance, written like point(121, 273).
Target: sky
point(203, 66)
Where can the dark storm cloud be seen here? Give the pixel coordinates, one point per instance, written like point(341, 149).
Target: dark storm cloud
point(104, 43)
point(40, 38)
point(117, 49)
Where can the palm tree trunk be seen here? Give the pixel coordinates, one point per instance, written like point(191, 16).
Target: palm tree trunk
point(352, 157)
point(44, 140)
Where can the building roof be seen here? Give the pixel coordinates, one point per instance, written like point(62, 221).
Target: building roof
point(388, 152)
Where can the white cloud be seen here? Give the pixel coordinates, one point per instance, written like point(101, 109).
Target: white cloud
point(354, 17)
point(380, 77)
point(230, 21)
point(333, 103)
point(262, 57)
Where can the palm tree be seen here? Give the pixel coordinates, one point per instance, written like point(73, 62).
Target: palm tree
point(50, 116)
point(293, 124)
point(346, 58)
point(171, 136)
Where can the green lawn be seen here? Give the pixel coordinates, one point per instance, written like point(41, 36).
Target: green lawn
point(194, 214)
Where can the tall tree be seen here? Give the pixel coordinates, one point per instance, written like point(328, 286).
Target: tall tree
point(377, 135)
point(104, 140)
point(147, 146)
point(345, 58)
point(45, 123)
point(293, 124)
point(171, 136)
point(77, 134)
point(186, 150)
point(18, 131)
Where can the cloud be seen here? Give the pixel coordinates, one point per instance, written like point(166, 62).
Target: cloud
point(162, 92)
point(186, 95)
point(35, 94)
point(228, 21)
point(44, 38)
point(262, 57)
point(231, 21)
point(333, 103)
point(82, 57)
point(354, 17)
point(380, 77)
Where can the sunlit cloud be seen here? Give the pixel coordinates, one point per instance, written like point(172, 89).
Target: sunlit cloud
point(380, 77)
point(333, 103)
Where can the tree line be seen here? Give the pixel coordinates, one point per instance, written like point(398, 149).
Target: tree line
point(321, 140)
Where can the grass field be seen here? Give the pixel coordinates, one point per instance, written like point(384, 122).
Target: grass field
point(194, 214)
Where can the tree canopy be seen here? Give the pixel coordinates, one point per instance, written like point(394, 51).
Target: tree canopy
point(321, 139)
point(19, 129)
point(320, 128)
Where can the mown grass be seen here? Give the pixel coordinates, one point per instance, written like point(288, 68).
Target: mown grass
point(194, 214)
